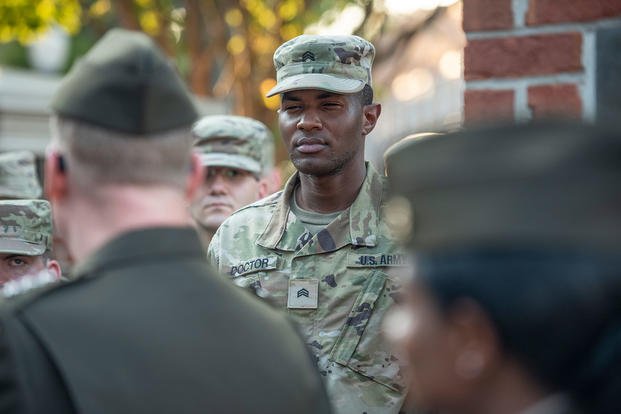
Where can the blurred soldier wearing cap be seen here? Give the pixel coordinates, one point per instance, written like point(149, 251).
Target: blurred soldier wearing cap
point(144, 327)
point(239, 154)
point(25, 243)
point(319, 249)
point(18, 176)
point(514, 301)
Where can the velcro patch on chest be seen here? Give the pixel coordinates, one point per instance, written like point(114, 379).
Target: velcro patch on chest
point(377, 260)
point(253, 265)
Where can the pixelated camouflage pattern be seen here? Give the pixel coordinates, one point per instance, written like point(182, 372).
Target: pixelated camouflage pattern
point(25, 227)
point(344, 332)
point(18, 175)
point(340, 64)
point(234, 141)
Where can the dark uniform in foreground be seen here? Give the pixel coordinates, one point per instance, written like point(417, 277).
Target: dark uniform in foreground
point(145, 327)
point(515, 231)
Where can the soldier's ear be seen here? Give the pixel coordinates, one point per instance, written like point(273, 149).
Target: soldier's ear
point(54, 268)
point(263, 188)
point(61, 164)
point(370, 114)
point(55, 176)
point(195, 177)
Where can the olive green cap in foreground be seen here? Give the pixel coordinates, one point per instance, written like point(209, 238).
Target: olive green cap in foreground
point(125, 83)
point(340, 64)
point(234, 141)
point(25, 227)
point(396, 147)
point(550, 183)
point(18, 175)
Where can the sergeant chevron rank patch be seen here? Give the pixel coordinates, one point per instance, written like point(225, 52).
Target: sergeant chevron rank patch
point(303, 294)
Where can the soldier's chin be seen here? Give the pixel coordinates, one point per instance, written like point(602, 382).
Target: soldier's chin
point(314, 166)
point(213, 220)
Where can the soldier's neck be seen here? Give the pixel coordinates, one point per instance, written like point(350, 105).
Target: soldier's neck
point(327, 194)
point(90, 223)
point(205, 236)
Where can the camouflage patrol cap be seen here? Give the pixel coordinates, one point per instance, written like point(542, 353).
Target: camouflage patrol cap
point(25, 227)
point(234, 141)
point(18, 175)
point(340, 64)
point(124, 83)
point(549, 184)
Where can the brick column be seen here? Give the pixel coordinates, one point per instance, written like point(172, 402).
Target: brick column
point(532, 58)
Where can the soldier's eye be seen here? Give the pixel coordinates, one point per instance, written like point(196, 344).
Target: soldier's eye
point(16, 262)
point(331, 105)
point(231, 173)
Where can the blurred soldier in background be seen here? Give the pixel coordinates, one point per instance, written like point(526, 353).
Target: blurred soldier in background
point(319, 249)
point(25, 244)
point(515, 304)
point(19, 180)
point(144, 327)
point(239, 155)
point(18, 176)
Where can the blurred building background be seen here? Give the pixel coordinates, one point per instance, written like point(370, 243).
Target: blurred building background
point(224, 50)
point(529, 59)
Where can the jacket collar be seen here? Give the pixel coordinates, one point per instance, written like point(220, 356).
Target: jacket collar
point(147, 243)
point(358, 225)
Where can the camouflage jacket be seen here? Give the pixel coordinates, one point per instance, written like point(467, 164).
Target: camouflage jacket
point(261, 247)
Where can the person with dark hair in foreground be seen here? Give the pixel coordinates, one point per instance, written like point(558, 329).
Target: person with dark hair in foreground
point(515, 301)
point(145, 326)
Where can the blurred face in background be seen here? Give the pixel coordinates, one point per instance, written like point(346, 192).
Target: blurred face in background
point(15, 266)
point(224, 191)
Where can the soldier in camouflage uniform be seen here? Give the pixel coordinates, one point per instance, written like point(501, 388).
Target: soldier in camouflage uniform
point(320, 249)
point(239, 154)
point(25, 244)
point(18, 176)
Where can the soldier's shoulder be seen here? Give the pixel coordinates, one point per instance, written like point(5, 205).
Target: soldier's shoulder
point(269, 201)
point(261, 208)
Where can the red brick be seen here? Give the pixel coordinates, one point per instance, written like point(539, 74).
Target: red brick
point(556, 11)
point(487, 15)
point(488, 104)
point(554, 100)
point(523, 56)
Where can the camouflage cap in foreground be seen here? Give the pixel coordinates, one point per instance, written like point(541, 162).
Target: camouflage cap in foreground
point(545, 184)
point(18, 175)
point(25, 227)
point(234, 141)
point(125, 83)
point(340, 64)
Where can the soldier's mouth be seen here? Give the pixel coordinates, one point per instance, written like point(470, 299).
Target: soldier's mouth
point(216, 205)
point(310, 145)
point(310, 148)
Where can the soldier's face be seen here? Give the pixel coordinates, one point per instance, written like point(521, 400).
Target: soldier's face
point(322, 131)
point(224, 190)
point(14, 266)
point(451, 353)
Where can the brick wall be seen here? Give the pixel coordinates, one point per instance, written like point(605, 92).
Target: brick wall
point(533, 58)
